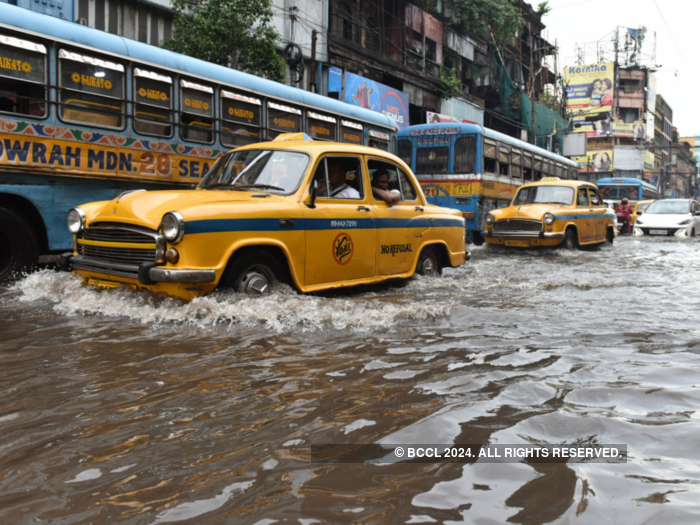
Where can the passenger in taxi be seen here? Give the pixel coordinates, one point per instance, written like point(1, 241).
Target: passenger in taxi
point(380, 188)
point(336, 179)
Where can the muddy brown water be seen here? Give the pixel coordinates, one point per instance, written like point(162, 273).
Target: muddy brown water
point(118, 406)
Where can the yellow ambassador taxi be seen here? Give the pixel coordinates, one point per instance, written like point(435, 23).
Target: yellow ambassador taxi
point(552, 212)
point(298, 211)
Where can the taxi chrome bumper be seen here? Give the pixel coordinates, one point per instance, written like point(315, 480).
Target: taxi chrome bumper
point(530, 235)
point(146, 273)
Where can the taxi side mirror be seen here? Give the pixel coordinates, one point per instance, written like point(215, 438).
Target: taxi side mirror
point(313, 191)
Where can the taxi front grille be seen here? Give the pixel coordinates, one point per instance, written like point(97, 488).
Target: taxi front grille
point(120, 243)
point(517, 225)
point(125, 255)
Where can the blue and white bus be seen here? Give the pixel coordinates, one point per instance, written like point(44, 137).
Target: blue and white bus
point(86, 115)
point(475, 169)
point(617, 188)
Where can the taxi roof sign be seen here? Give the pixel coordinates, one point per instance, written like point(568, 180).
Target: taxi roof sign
point(292, 136)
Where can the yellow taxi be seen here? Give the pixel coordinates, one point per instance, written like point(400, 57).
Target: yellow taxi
point(639, 208)
point(552, 212)
point(296, 211)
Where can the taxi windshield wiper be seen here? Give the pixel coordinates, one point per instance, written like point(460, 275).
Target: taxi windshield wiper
point(219, 185)
point(260, 186)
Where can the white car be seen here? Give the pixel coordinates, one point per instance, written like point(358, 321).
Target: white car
point(669, 217)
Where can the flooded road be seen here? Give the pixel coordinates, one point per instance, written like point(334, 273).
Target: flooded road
point(118, 406)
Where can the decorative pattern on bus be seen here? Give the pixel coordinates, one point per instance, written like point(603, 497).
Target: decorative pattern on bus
point(467, 189)
point(54, 148)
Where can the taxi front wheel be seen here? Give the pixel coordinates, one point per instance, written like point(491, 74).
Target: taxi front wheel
point(428, 263)
point(570, 241)
point(252, 273)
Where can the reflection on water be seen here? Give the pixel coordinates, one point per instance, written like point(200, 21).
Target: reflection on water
point(120, 405)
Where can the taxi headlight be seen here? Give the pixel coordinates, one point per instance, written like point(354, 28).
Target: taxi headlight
point(489, 218)
point(76, 220)
point(548, 218)
point(173, 227)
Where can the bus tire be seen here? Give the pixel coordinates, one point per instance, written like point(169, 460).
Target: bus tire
point(254, 273)
point(570, 242)
point(429, 263)
point(19, 247)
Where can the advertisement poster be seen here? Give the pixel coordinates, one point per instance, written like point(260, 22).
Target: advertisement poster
point(595, 161)
point(366, 93)
point(632, 130)
point(435, 118)
point(649, 164)
point(590, 97)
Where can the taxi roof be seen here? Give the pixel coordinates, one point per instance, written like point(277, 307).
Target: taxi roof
point(556, 181)
point(317, 147)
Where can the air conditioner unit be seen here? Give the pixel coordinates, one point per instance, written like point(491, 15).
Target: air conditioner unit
point(83, 21)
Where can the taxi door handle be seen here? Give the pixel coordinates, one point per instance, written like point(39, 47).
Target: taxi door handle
point(363, 208)
point(418, 208)
point(287, 223)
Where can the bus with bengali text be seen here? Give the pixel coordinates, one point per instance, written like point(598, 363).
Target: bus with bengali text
point(87, 115)
point(475, 169)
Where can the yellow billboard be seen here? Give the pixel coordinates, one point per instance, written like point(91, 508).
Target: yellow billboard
point(595, 161)
point(589, 91)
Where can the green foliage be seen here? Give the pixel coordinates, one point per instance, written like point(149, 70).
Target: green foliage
point(450, 83)
point(550, 101)
point(231, 33)
point(498, 19)
point(543, 8)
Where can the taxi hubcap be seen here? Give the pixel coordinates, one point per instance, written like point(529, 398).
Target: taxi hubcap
point(256, 283)
point(428, 266)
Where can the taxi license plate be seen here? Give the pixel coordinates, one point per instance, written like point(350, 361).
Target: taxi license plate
point(522, 244)
point(91, 281)
point(658, 232)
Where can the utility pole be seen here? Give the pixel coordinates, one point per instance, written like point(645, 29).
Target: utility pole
point(314, 85)
point(532, 86)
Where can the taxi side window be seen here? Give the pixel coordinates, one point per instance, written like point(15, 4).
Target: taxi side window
point(408, 192)
point(399, 182)
point(582, 197)
point(339, 178)
point(595, 198)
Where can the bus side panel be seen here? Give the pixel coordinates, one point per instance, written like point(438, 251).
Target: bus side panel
point(53, 197)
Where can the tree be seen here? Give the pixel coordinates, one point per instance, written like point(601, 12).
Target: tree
point(231, 33)
point(499, 19)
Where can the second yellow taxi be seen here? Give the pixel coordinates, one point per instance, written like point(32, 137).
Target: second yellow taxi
point(552, 212)
point(318, 215)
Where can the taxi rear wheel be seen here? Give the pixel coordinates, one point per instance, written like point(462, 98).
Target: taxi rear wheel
point(609, 237)
point(570, 242)
point(253, 273)
point(428, 263)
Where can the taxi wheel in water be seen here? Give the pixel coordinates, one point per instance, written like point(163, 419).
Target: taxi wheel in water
point(609, 237)
point(428, 263)
point(19, 248)
point(570, 241)
point(253, 273)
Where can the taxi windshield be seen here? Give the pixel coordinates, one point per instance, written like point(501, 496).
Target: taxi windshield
point(277, 171)
point(544, 195)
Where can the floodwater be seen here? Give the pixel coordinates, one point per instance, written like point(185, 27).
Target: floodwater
point(118, 406)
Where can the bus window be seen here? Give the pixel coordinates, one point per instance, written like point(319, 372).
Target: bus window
point(22, 77)
point(350, 132)
point(503, 160)
point(91, 90)
point(282, 119)
point(240, 119)
point(153, 103)
point(489, 157)
point(378, 140)
point(516, 168)
point(321, 127)
point(196, 112)
point(405, 151)
point(537, 168)
point(464, 155)
point(432, 160)
point(527, 167)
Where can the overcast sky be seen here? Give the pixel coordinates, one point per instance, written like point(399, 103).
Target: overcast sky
point(677, 30)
